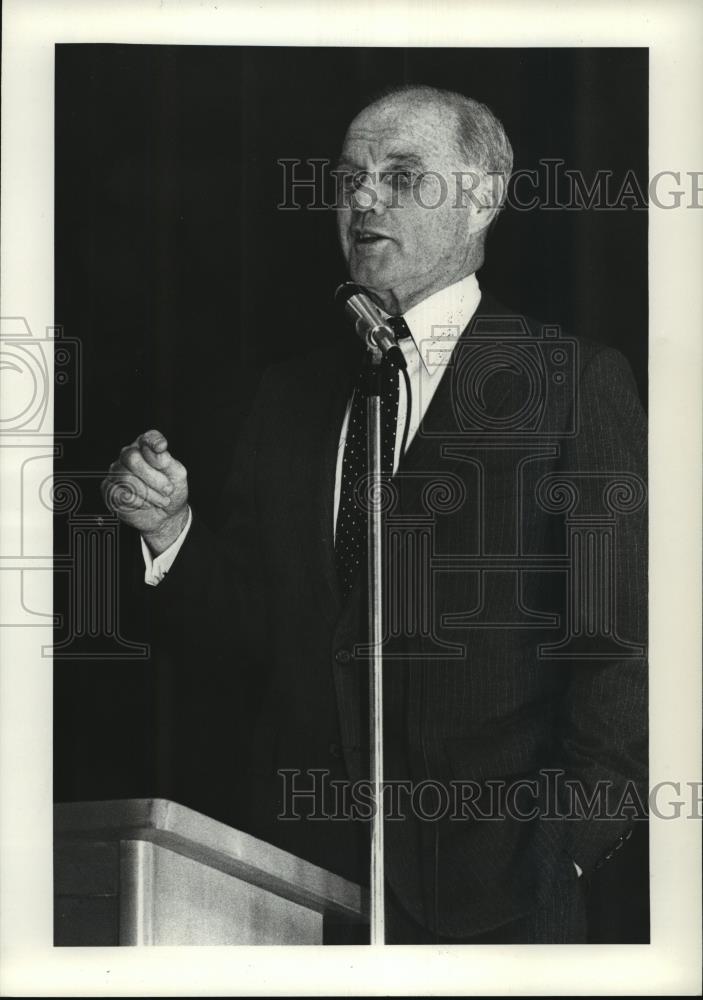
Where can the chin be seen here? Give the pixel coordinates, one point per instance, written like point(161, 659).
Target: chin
point(370, 277)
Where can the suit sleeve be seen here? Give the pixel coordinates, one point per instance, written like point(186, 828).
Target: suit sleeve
point(603, 731)
point(212, 603)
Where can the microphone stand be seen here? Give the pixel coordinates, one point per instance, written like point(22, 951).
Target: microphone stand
point(374, 368)
point(383, 353)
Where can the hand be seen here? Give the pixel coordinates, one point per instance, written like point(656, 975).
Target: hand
point(148, 490)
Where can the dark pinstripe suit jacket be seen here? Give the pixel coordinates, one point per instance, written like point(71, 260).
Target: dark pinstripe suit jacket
point(516, 582)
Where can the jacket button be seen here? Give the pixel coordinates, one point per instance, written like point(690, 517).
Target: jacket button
point(335, 750)
point(342, 656)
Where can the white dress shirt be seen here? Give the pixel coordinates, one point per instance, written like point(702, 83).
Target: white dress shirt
point(156, 567)
point(435, 325)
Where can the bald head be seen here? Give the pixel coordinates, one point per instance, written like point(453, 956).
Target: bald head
point(479, 139)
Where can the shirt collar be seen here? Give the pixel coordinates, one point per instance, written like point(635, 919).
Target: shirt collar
point(438, 321)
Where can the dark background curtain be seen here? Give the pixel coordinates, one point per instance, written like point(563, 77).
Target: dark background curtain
point(183, 280)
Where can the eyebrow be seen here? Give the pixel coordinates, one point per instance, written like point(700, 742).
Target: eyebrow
point(406, 159)
point(395, 159)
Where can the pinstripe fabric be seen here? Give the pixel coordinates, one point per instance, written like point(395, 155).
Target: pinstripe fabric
point(471, 700)
point(561, 919)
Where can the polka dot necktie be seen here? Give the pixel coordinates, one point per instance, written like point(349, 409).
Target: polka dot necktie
point(350, 537)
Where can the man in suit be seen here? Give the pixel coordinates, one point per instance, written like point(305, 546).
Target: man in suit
point(515, 566)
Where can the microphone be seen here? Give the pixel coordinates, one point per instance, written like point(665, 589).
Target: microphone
point(368, 322)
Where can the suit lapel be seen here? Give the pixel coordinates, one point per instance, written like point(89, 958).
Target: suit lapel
point(439, 423)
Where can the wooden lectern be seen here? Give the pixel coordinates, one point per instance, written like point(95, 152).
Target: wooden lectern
point(150, 871)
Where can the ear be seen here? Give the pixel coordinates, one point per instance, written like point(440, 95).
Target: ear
point(484, 193)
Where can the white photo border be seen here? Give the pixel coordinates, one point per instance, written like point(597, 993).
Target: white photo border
point(671, 964)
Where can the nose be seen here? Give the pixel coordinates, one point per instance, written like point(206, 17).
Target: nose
point(369, 196)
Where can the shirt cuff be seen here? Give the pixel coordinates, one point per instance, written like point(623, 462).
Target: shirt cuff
point(156, 567)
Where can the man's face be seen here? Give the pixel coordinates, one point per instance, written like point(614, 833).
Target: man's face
point(402, 226)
